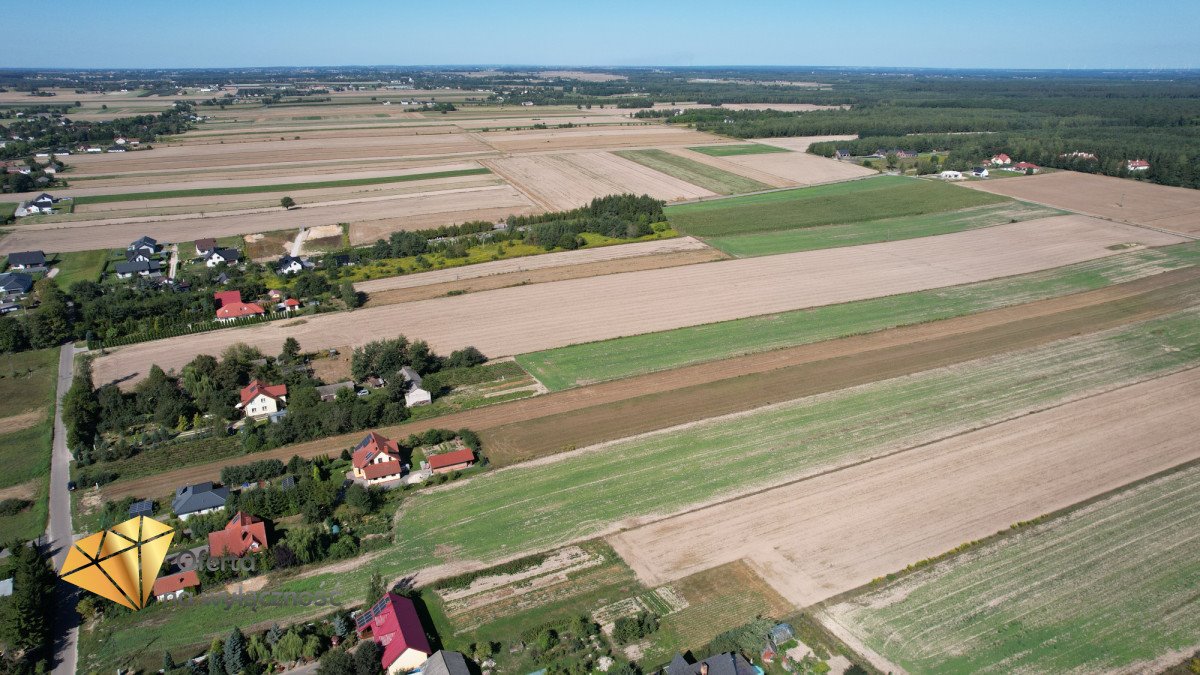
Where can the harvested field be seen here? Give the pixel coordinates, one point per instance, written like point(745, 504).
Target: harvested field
point(525, 264)
point(801, 143)
point(695, 172)
point(1102, 588)
point(570, 180)
point(551, 140)
point(517, 320)
point(372, 216)
point(1129, 201)
point(719, 162)
point(739, 149)
point(801, 168)
point(831, 533)
point(542, 426)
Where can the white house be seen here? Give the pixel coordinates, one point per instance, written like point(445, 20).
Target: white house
point(221, 256)
point(259, 400)
point(1001, 160)
point(950, 175)
point(980, 172)
point(290, 265)
point(417, 396)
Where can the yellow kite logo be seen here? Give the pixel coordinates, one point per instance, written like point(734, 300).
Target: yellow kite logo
point(120, 563)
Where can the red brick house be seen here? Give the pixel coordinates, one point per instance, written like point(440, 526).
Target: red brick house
point(394, 625)
point(452, 461)
point(244, 534)
point(377, 459)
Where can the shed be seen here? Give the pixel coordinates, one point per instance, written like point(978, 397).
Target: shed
point(142, 508)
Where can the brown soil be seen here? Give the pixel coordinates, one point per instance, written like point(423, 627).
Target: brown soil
point(544, 425)
point(22, 421)
point(821, 536)
point(27, 490)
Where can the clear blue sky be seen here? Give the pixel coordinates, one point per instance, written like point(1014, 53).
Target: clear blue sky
point(924, 33)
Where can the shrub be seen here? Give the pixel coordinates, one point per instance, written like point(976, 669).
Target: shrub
point(11, 507)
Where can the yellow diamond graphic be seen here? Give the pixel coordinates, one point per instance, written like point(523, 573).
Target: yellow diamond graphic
point(120, 563)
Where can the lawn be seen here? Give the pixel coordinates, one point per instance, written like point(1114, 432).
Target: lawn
point(27, 384)
point(544, 506)
point(566, 367)
point(873, 231)
point(79, 266)
point(708, 177)
point(7, 209)
point(286, 187)
point(739, 149)
point(838, 203)
point(1101, 589)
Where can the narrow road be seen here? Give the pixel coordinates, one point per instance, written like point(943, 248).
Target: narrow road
point(60, 535)
point(174, 261)
point(298, 245)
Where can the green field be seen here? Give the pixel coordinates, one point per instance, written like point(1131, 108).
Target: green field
point(27, 383)
point(566, 367)
point(739, 149)
point(287, 187)
point(873, 231)
point(838, 203)
point(6, 210)
point(79, 266)
point(708, 177)
point(1102, 589)
point(543, 506)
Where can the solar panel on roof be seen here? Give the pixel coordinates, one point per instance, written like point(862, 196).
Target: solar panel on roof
point(142, 508)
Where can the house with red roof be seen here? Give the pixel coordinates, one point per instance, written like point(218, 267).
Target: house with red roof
point(1139, 165)
point(259, 400)
point(1001, 160)
point(451, 461)
point(230, 306)
point(242, 535)
point(376, 459)
point(175, 586)
point(394, 625)
point(289, 305)
point(1026, 167)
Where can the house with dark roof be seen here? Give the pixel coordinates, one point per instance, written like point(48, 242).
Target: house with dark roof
point(15, 283)
point(242, 535)
point(222, 256)
point(132, 255)
point(394, 625)
point(24, 260)
point(259, 400)
point(376, 459)
point(205, 246)
point(41, 204)
point(329, 392)
point(729, 663)
point(143, 508)
point(198, 499)
point(143, 245)
point(414, 394)
point(289, 265)
point(141, 268)
point(446, 663)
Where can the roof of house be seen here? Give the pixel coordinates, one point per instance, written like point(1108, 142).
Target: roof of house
point(15, 282)
point(239, 310)
point(198, 497)
point(226, 254)
point(138, 266)
point(1138, 162)
point(206, 244)
point(144, 241)
point(176, 582)
point(451, 458)
point(372, 445)
point(27, 258)
point(291, 302)
point(44, 197)
point(142, 508)
point(288, 260)
point(729, 663)
point(394, 624)
point(227, 297)
point(241, 535)
point(256, 387)
point(1026, 165)
point(332, 389)
point(1002, 157)
point(446, 663)
point(411, 375)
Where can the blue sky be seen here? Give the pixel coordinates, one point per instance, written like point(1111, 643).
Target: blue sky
point(960, 33)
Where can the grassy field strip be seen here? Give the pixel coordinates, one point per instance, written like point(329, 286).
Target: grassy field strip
point(834, 204)
point(887, 229)
point(27, 384)
point(570, 366)
point(1105, 587)
point(255, 189)
point(708, 177)
point(739, 149)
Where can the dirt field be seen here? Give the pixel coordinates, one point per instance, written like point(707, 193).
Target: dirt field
point(799, 143)
point(826, 535)
point(545, 425)
point(785, 107)
point(515, 320)
point(800, 167)
point(1129, 201)
point(724, 165)
point(571, 180)
point(372, 217)
point(594, 139)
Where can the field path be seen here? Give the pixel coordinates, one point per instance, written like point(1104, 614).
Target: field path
point(819, 537)
point(511, 321)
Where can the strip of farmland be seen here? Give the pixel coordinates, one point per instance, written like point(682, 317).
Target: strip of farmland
point(707, 177)
point(529, 318)
point(546, 504)
point(1100, 589)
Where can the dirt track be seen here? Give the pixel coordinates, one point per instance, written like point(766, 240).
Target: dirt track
point(819, 537)
point(1130, 201)
point(540, 426)
point(511, 321)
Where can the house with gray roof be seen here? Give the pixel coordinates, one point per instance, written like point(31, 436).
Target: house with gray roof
point(143, 245)
point(24, 260)
point(729, 663)
point(329, 392)
point(141, 268)
point(15, 283)
point(198, 499)
point(445, 663)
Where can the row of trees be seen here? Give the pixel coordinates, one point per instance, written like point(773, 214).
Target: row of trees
point(49, 133)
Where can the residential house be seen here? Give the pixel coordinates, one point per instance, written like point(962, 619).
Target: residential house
point(290, 305)
point(115, 148)
point(230, 306)
point(1001, 160)
point(136, 256)
point(15, 283)
point(376, 459)
point(219, 256)
point(394, 625)
point(980, 172)
point(50, 170)
point(8, 307)
point(120, 141)
point(329, 392)
point(25, 260)
point(141, 268)
point(414, 394)
point(93, 149)
point(451, 461)
point(446, 663)
point(1026, 167)
point(198, 499)
point(174, 586)
point(144, 246)
point(842, 154)
point(205, 246)
point(41, 204)
point(1138, 165)
point(243, 534)
point(259, 400)
point(729, 663)
point(1088, 156)
point(289, 265)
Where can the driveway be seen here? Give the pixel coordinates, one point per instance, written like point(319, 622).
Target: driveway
point(60, 534)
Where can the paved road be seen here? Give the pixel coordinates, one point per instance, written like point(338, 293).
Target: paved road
point(60, 535)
